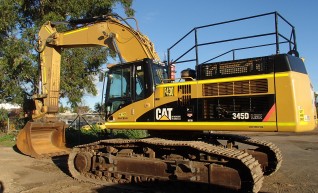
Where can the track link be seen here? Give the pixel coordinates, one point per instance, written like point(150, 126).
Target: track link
point(250, 170)
point(274, 153)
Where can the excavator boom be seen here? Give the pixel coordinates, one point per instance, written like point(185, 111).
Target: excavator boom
point(44, 135)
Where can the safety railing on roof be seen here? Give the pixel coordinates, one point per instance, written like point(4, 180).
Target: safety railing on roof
point(291, 40)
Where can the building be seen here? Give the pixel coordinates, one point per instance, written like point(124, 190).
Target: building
point(9, 106)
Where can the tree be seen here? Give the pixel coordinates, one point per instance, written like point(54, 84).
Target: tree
point(20, 21)
point(99, 108)
point(63, 109)
point(3, 118)
point(82, 109)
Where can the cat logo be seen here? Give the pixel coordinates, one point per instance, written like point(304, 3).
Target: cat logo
point(163, 114)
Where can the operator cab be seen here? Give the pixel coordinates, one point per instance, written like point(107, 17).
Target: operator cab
point(133, 81)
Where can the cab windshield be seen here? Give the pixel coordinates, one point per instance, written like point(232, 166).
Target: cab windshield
point(120, 83)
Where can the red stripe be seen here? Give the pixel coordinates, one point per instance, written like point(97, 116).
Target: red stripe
point(269, 114)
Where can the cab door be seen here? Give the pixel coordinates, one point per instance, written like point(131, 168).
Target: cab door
point(129, 92)
point(119, 90)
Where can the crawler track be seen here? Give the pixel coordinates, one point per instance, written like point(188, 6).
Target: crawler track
point(273, 153)
point(101, 162)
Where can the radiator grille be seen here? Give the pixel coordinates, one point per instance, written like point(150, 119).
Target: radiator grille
point(235, 88)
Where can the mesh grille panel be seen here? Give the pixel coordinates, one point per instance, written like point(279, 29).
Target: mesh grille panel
point(251, 66)
point(236, 87)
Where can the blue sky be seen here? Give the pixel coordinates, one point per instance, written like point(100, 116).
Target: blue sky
point(166, 21)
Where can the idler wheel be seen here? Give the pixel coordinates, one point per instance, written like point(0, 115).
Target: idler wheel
point(83, 162)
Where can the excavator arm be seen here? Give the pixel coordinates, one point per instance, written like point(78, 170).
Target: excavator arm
point(109, 32)
point(44, 135)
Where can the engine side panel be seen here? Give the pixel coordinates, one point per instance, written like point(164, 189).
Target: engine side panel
point(264, 94)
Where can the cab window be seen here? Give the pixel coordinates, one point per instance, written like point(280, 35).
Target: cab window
point(139, 83)
point(120, 83)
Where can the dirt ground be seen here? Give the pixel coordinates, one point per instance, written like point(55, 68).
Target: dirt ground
point(299, 171)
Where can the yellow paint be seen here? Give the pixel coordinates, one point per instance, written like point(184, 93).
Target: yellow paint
point(158, 123)
point(74, 31)
point(48, 30)
point(231, 79)
point(241, 78)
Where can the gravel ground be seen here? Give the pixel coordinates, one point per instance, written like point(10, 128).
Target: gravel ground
point(299, 171)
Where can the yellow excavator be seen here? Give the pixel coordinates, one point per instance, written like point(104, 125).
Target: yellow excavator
point(262, 94)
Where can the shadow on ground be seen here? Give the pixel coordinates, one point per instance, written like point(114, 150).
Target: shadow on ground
point(166, 187)
point(15, 148)
point(1, 187)
point(61, 163)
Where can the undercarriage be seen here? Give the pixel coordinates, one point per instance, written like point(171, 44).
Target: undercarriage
point(203, 161)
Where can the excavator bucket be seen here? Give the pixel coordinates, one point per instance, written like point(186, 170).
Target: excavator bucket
point(40, 140)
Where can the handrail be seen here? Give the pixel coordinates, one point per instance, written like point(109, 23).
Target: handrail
point(291, 40)
point(243, 48)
